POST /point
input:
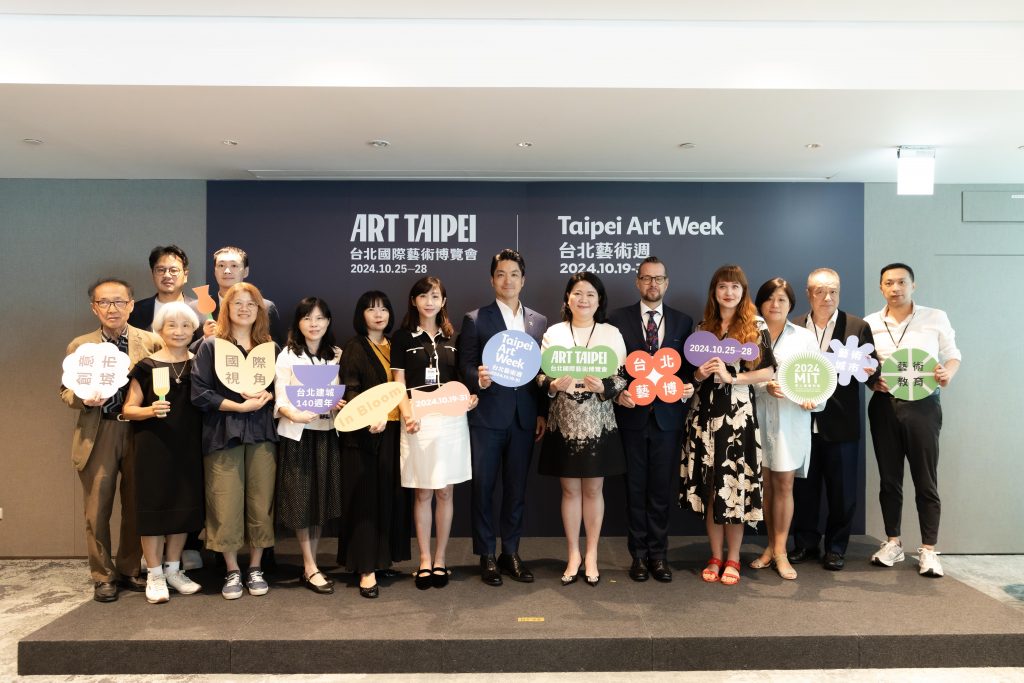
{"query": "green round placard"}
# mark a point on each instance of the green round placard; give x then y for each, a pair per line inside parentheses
(910, 374)
(807, 376)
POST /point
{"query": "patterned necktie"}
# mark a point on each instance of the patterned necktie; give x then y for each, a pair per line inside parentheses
(652, 332)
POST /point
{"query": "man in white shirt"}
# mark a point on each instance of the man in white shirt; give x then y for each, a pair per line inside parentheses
(909, 429)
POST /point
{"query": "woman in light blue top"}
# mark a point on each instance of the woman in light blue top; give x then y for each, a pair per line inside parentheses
(785, 426)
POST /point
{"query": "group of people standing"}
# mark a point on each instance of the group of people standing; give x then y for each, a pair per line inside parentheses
(204, 457)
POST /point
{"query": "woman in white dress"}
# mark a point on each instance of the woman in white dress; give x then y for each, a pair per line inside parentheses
(785, 426)
(435, 448)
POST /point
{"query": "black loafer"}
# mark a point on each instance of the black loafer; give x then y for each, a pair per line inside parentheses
(660, 570)
(834, 562)
(489, 573)
(798, 555)
(133, 583)
(513, 566)
(104, 591)
(638, 570)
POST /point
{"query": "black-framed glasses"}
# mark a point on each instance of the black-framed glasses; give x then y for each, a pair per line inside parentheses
(648, 279)
(104, 304)
(173, 271)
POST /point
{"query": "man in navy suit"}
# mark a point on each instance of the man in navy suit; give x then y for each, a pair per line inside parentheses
(505, 424)
(652, 435)
(231, 266)
(169, 266)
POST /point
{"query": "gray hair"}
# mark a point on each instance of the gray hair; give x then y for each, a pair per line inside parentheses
(818, 271)
(174, 309)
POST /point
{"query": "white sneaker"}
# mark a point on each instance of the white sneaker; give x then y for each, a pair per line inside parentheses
(191, 559)
(928, 563)
(889, 554)
(156, 588)
(180, 582)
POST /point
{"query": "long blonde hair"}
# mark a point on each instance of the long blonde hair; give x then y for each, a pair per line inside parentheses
(260, 328)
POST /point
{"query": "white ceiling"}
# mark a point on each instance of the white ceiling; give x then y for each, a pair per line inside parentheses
(603, 91)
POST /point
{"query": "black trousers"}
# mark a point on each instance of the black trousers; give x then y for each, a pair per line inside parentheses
(508, 452)
(652, 477)
(907, 429)
(833, 469)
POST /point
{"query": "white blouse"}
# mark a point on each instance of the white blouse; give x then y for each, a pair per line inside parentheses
(286, 377)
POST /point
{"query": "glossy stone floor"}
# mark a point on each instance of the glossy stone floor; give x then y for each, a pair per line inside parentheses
(34, 592)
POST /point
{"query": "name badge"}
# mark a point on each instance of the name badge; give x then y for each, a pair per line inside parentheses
(431, 376)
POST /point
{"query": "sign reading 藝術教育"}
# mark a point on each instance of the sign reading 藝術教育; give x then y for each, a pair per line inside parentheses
(318, 392)
(370, 407)
(579, 362)
(910, 374)
(807, 376)
(512, 358)
(95, 370)
(702, 346)
(244, 373)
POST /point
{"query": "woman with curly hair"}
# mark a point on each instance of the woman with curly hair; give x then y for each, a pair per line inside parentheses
(721, 468)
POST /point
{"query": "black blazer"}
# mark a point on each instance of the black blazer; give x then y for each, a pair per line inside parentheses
(840, 420)
(499, 405)
(677, 326)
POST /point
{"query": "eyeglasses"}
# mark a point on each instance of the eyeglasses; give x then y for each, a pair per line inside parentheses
(648, 279)
(173, 271)
(822, 292)
(105, 305)
(244, 305)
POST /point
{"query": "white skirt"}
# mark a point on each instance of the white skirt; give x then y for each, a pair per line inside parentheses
(438, 454)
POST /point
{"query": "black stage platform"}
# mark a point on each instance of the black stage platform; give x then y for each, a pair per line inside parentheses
(862, 617)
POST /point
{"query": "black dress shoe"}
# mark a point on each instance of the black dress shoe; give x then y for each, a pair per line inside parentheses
(592, 580)
(514, 567)
(834, 561)
(638, 570)
(388, 573)
(660, 570)
(133, 583)
(424, 579)
(439, 577)
(104, 591)
(798, 555)
(489, 573)
(371, 592)
(323, 589)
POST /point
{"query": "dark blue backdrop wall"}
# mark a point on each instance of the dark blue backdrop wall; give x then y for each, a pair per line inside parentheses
(336, 240)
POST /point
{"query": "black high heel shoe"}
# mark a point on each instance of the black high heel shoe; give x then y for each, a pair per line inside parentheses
(592, 580)
(569, 580)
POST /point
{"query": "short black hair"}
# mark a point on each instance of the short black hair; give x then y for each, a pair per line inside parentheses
(169, 250)
(115, 280)
(768, 288)
(651, 259)
(602, 298)
(296, 340)
(894, 266)
(367, 300)
(237, 250)
(508, 255)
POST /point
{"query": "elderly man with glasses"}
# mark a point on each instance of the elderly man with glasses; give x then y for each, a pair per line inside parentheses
(101, 448)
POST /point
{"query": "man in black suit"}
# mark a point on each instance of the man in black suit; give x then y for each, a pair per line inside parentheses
(652, 434)
(835, 442)
(231, 266)
(169, 266)
(505, 424)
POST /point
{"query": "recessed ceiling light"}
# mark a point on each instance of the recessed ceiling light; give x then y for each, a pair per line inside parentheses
(32, 141)
(229, 143)
(524, 144)
(379, 143)
(812, 145)
(687, 145)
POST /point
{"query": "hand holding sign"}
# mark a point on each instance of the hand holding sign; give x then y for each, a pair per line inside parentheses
(451, 398)
(206, 304)
(244, 374)
(702, 346)
(851, 360)
(578, 362)
(318, 393)
(512, 358)
(161, 382)
(95, 371)
(910, 374)
(370, 407)
(807, 377)
(654, 376)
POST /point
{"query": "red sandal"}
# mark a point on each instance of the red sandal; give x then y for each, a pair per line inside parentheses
(729, 579)
(710, 575)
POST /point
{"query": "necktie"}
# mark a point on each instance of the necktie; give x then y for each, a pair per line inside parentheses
(652, 332)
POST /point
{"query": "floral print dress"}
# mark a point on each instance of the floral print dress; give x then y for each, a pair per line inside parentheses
(722, 448)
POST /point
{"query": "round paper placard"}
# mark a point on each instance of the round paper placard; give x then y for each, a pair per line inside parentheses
(512, 357)
(807, 376)
(910, 374)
